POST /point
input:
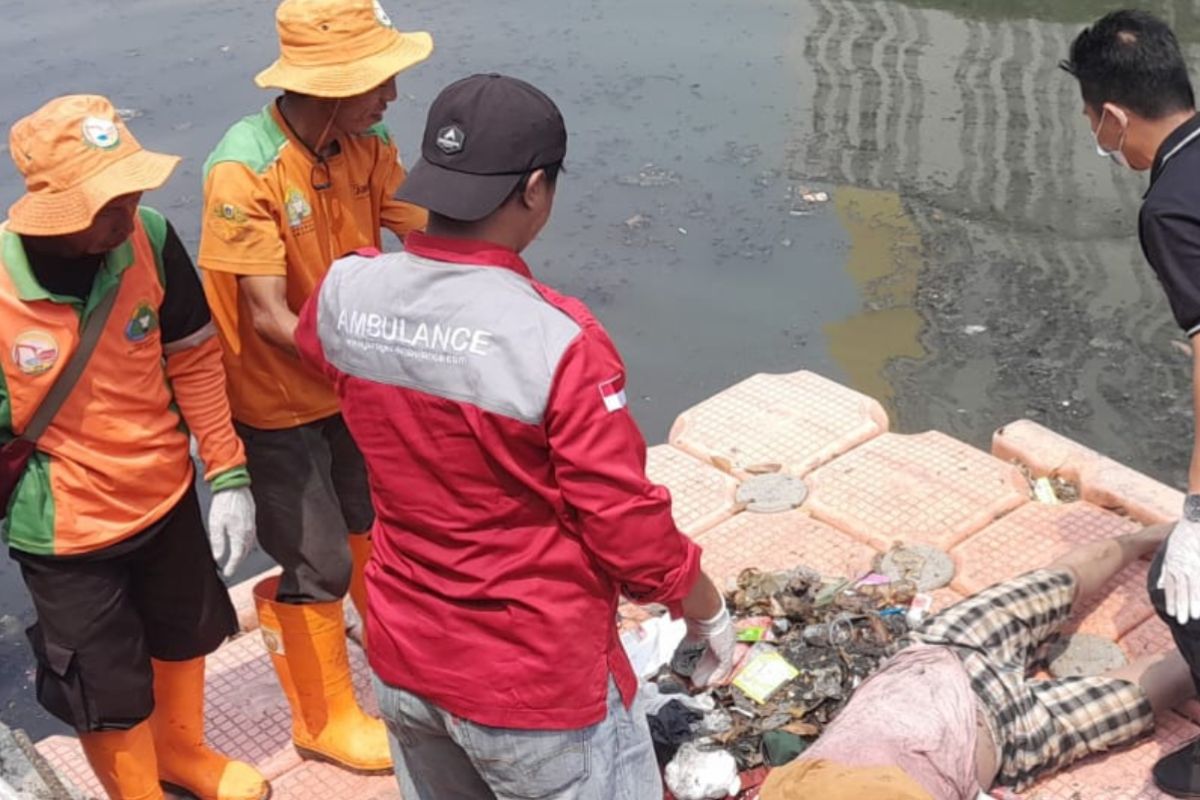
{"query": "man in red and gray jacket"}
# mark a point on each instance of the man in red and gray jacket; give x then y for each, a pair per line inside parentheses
(508, 478)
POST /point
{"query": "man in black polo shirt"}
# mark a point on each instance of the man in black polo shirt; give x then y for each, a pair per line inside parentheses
(1139, 101)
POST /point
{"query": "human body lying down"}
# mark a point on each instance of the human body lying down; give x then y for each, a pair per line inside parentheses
(956, 713)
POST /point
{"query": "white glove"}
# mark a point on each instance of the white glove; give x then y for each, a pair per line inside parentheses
(719, 640)
(1180, 578)
(231, 527)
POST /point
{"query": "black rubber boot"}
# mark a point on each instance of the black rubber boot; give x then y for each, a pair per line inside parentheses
(1178, 774)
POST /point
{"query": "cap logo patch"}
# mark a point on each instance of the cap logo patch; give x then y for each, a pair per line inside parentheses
(382, 16)
(101, 133)
(450, 139)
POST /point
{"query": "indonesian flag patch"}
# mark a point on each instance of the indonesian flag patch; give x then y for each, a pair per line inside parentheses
(613, 392)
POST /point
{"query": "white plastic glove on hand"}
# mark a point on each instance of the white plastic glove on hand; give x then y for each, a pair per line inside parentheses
(718, 636)
(231, 527)
(1180, 578)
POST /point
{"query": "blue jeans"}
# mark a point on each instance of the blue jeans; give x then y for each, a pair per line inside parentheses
(443, 757)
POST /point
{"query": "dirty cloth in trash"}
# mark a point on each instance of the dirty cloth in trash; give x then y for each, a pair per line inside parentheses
(670, 727)
(917, 713)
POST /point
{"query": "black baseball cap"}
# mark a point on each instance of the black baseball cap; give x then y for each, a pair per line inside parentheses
(483, 135)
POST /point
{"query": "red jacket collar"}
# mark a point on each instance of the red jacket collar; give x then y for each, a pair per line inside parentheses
(465, 251)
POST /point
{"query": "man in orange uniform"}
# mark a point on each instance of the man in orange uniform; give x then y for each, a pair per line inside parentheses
(288, 190)
(104, 519)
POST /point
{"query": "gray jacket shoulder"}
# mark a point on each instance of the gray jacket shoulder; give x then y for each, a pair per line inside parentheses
(477, 335)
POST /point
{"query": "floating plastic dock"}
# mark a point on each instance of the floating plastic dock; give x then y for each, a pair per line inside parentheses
(867, 489)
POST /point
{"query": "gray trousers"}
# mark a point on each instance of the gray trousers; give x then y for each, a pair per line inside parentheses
(440, 756)
(310, 488)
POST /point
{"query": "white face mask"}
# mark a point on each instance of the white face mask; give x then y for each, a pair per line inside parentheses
(1117, 156)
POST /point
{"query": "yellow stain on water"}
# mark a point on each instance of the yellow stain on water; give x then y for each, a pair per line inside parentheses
(884, 261)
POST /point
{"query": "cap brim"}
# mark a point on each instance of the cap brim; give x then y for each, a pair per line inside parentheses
(337, 81)
(457, 195)
(72, 210)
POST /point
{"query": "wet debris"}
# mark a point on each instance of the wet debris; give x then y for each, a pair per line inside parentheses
(650, 176)
(926, 566)
(771, 492)
(1043, 492)
(806, 641)
(637, 222)
(1049, 489)
(803, 199)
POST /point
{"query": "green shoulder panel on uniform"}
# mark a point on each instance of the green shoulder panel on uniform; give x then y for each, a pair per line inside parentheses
(254, 141)
(29, 523)
(381, 132)
(6, 431)
(156, 230)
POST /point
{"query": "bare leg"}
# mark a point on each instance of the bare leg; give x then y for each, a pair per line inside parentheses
(1166, 679)
(1095, 564)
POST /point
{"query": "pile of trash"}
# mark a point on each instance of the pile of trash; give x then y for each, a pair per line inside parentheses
(805, 643)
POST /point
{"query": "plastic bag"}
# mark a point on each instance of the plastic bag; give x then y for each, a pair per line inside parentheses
(700, 774)
(651, 645)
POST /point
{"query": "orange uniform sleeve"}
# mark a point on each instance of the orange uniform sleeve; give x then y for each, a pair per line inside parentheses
(400, 218)
(198, 382)
(240, 231)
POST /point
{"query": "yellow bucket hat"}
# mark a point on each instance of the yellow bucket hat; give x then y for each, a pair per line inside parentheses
(339, 48)
(76, 155)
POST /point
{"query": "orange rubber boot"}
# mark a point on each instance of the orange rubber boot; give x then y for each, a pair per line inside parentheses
(307, 644)
(124, 762)
(185, 761)
(360, 552)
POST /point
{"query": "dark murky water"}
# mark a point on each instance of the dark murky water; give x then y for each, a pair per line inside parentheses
(975, 263)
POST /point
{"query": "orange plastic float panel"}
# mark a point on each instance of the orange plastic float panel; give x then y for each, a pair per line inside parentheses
(702, 496)
(943, 599)
(319, 781)
(1102, 481)
(1148, 639)
(879, 488)
(1122, 774)
(1034, 535)
(926, 488)
(772, 542)
(799, 420)
(66, 757)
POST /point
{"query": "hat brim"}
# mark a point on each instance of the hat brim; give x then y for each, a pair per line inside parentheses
(339, 81)
(72, 210)
(457, 195)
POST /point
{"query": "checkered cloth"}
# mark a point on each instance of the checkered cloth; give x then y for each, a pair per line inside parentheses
(1039, 726)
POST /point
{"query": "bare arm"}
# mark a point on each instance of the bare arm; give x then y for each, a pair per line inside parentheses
(703, 601)
(273, 319)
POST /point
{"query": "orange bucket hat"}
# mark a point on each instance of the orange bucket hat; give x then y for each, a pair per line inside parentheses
(339, 48)
(77, 155)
